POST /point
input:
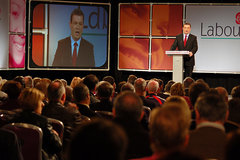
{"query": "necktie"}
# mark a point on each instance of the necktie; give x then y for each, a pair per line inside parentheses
(185, 40)
(74, 58)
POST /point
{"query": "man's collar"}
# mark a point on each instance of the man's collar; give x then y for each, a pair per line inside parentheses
(78, 42)
(211, 124)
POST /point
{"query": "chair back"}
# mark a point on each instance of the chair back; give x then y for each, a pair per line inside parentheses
(30, 139)
(147, 112)
(9, 145)
(58, 126)
(231, 126)
(6, 116)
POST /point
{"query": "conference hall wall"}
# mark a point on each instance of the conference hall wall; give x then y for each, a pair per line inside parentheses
(147, 30)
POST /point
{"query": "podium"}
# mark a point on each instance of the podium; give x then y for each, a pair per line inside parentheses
(177, 74)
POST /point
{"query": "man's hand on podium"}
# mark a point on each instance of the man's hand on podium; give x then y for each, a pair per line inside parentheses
(190, 54)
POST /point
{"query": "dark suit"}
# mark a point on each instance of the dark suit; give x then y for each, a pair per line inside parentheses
(191, 46)
(103, 105)
(63, 55)
(84, 110)
(70, 117)
(138, 138)
(207, 142)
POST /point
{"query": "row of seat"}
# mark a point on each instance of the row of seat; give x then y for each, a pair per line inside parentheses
(29, 137)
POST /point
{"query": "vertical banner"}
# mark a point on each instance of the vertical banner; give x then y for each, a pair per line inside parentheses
(3, 34)
(17, 20)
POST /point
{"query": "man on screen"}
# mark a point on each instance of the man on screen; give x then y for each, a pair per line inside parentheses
(186, 42)
(74, 51)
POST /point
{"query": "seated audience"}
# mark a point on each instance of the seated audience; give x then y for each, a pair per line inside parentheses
(186, 84)
(160, 89)
(177, 90)
(235, 92)
(232, 149)
(81, 97)
(127, 87)
(152, 88)
(36, 80)
(128, 112)
(111, 80)
(70, 117)
(75, 81)
(167, 87)
(169, 129)
(43, 86)
(223, 93)
(234, 110)
(69, 102)
(91, 82)
(28, 82)
(21, 80)
(98, 139)
(131, 79)
(140, 89)
(104, 93)
(209, 138)
(13, 90)
(31, 103)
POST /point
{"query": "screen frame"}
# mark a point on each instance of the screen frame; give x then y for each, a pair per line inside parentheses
(105, 67)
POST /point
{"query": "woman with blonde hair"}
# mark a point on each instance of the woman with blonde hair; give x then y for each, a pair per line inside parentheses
(31, 102)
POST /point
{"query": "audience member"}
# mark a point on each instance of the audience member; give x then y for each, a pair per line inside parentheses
(28, 81)
(127, 87)
(131, 79)
(13, 90)
(64, 81)
(128, 112)
(70, 117)
(196, 89)
(31, 103)
(167, 87)
(75, 81)
(234, 110)
(91, 82)
(3, 95)
(186, 84)
(120, 84)
(223, 93)
(177, 90)
(232, 146)
(152, 88)
(111, 80)
(200, 81)
(36, 80)
(169, 130)
(21, 80)
(98, 139)
(43, 86)
(69, 102)
(81, 96)
(161, 87)
(235, 93)
(140, 89)
(104, 93)
(209, 138)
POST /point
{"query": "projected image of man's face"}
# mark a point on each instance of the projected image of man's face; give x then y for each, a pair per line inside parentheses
(76, 26)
